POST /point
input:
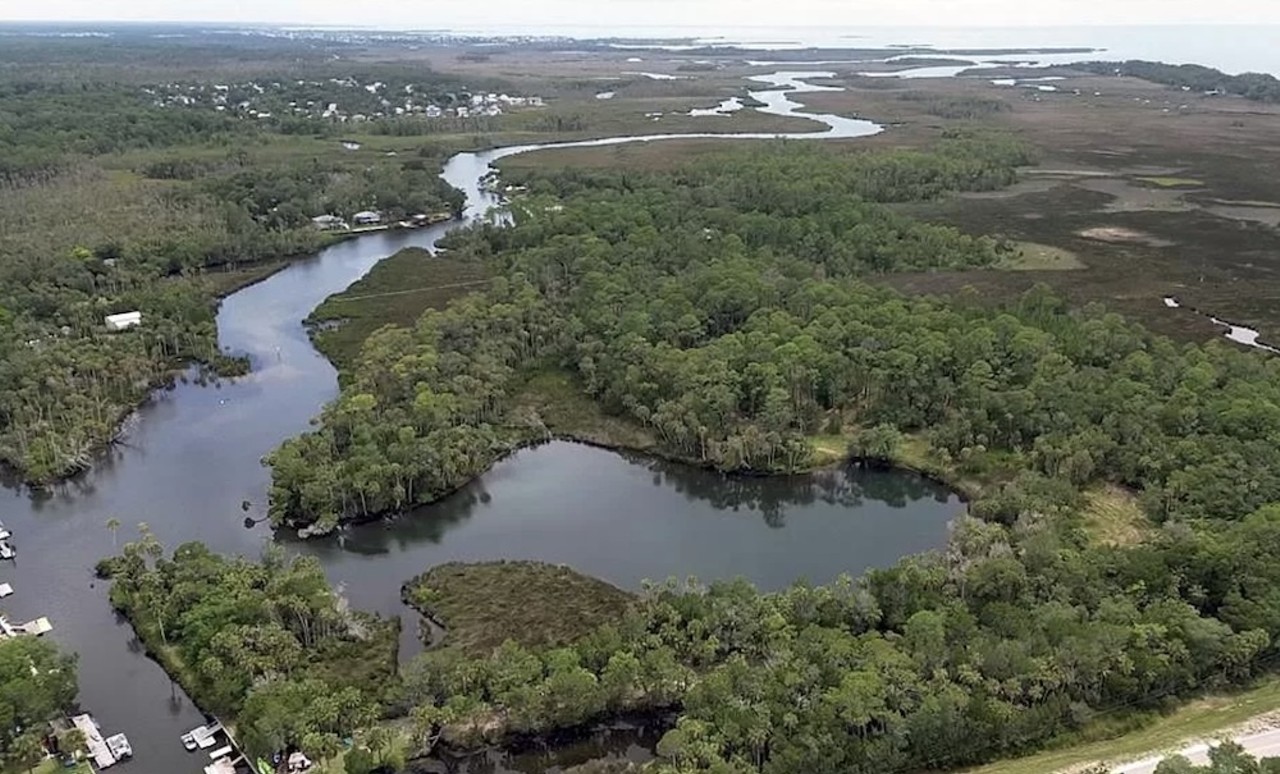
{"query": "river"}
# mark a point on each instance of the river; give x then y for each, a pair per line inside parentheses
(193, 455)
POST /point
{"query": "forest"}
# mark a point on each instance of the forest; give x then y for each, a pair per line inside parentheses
(267, 645)
(146, 208)
(724, 308)
(37, 685)
(738, 331)
(615, 276)
(1260, 87)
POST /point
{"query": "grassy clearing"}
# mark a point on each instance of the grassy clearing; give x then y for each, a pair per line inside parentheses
(1030, 256)
(536, 604)
(913, 453)
(1209, 717)
(555, 400)
(395, 292)
(1171, 182)
(829, 449)
(1113, 517)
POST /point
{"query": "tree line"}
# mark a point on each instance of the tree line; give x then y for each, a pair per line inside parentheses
(1260, 87)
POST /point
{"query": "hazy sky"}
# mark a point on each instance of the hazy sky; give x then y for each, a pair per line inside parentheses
(436, 14)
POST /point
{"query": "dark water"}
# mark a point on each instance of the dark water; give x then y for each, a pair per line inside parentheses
(627, 519)
(193, 456)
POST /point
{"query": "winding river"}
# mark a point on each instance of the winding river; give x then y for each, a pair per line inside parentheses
(193, 456)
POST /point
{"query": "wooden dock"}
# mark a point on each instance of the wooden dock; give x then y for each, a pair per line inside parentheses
(98, 750)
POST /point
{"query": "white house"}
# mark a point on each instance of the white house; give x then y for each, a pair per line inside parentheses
(119, 322)
(329, 222)
(367, 218)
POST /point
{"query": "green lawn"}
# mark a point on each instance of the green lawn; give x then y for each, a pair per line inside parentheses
(1208, 717)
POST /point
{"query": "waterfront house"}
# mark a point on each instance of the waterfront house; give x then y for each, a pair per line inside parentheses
(120, 322)
(329, 222)
(367, 218)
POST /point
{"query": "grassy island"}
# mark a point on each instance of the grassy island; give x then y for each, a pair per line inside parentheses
(534, 604)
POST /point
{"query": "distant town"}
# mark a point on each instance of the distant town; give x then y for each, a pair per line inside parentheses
(340, 100)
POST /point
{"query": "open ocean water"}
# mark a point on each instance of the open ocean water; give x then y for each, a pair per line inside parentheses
(1231, 48)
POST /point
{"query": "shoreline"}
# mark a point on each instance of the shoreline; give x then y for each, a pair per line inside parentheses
(966, 491)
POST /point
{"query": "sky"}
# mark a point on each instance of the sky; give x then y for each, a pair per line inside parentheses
(548, 14)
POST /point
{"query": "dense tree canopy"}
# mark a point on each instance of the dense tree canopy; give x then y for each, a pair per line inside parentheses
(37, 684)
(268, 644)
(651, 288)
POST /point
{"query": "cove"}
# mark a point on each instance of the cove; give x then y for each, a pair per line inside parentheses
(628, 518)
(192, 456)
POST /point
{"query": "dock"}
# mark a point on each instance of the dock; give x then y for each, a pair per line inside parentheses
(228, 758)
(98, 750)
(103, 752)
(34, 628)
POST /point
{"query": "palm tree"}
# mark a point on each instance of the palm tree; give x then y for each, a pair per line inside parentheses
(113, 524)
(73, 743)
(379, 740)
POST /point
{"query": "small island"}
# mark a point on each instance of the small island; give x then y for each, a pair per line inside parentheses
(478, 607)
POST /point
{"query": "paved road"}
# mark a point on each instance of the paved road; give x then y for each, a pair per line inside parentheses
(1265, 744)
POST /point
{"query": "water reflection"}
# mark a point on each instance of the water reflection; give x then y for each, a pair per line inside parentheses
(774, 497)
(620, 741)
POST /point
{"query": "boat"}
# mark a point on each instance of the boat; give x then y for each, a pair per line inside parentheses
(119, 746)
(200, 736)
(6, 550)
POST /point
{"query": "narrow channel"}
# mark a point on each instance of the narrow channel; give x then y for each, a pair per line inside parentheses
(193, 456)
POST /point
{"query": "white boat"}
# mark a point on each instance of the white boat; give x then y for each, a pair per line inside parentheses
(6, 550)
(221, 752)
(5, 590)
(200, 736)
(119, 746)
